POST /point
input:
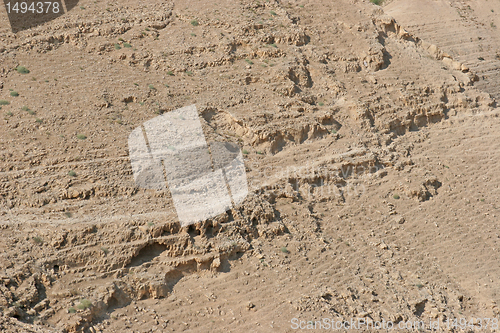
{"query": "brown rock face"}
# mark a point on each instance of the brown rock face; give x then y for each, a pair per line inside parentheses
(370, 143)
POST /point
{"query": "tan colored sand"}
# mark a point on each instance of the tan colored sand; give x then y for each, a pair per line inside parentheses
(372, 160)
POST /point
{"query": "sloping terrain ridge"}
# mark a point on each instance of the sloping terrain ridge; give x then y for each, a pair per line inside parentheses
(371, 150)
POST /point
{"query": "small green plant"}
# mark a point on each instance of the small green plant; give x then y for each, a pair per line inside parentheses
(81, 136)
(27, 109)
(321, 103)
(419, 285)
(170, 73)
(68, 214)
(250, 62)
(274, 45)
(38, 240)
(493, 25)
(71, 310)
(194, 23)
(189, 73)
(84, 304)
(260, 153)
(117, 47)
(4, 102)
(33, 78)
(151, 87)
(284, 250)
(333, 131)
(120, 39)
(22, 70)
(82, 8)
(245, 151)
(9, 114)
(377, 2)
(38, 120)
(151, 224)
(72, 173)
(396, 196)
(273, 13)
(127, 45)
(14, 93)
(104, 249)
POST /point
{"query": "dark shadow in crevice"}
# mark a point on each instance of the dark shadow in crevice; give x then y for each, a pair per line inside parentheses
(146, 254)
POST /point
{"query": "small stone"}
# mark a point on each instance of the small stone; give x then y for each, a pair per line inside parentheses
(215, 264)
(383, 246)
(399, 220)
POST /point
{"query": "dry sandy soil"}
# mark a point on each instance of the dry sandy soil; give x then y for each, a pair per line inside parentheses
(372, 141)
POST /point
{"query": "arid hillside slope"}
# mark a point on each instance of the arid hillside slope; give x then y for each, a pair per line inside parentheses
(469, 31)
(371, 153)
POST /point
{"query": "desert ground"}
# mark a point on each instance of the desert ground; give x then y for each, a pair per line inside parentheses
(371, 141)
